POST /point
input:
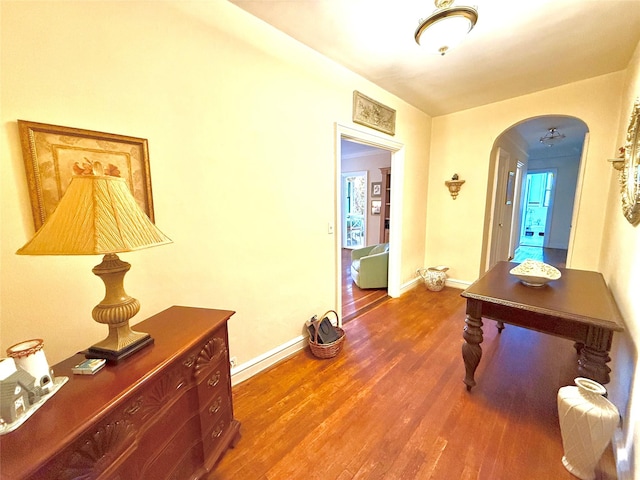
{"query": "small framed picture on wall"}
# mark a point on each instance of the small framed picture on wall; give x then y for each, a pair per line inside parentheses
(376, 189)
(375, 207)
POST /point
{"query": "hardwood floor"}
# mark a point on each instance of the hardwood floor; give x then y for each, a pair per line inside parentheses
(355, 300)
(553, 256)
(392, 404)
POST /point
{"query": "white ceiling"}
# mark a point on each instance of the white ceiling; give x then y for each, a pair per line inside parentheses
(517, 47)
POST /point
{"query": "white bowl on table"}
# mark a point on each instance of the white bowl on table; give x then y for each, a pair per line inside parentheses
(533, 273)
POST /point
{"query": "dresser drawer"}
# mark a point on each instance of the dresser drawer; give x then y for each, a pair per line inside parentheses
(213, 354)
(98, 452)
(166, 423)
(216, 379)
(168, 458)
(190, 462)
(212, 439)
(212, 411)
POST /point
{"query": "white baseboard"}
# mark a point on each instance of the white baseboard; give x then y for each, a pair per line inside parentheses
(409, 285)
(461, 284)
(451, 282)
(247, 370)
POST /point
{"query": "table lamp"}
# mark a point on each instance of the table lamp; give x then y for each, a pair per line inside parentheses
(98, 215)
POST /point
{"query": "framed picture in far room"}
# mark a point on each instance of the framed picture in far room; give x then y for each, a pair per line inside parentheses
(375, 207)
(376, 189)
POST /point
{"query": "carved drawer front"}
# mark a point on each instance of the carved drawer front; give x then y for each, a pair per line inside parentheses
(189, 463)
(150, 408)
(202, 357)
(213, 354)
(103, 449)
(211, 411)
(145, 420)
(171, 456)
(212, 438)
(168, 424)
(217, 379)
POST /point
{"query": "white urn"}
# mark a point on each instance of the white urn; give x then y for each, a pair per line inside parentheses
(587, 423)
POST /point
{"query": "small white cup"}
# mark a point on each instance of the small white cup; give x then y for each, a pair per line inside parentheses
(29, 356)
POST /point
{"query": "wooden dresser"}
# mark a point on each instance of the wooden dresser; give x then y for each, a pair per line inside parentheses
(164, 413)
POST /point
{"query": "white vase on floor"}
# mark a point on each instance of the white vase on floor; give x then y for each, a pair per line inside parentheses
(587, 423)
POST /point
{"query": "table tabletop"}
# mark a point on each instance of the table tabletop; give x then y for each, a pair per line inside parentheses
(578, 295)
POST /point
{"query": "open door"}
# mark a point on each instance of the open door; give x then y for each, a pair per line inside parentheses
(502, 245)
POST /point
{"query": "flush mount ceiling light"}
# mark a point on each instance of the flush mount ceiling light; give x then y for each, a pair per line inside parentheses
(446, 27)
(552, 137)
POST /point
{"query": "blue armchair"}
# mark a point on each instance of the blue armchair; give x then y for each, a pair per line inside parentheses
(370, 266)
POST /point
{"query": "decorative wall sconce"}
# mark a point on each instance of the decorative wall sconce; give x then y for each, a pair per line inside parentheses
(618, 163)
(454, 185)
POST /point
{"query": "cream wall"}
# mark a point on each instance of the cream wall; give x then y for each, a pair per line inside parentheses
(620, 265)
(241, 134)
(462, 143)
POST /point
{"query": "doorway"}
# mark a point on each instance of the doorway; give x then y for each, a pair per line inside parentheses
(537, 208)
(396, 152)
(543, 210)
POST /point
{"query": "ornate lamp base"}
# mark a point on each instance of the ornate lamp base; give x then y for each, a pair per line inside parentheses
(115, 310)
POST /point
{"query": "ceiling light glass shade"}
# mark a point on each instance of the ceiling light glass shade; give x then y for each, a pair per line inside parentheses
(552, 137)
(445, 28)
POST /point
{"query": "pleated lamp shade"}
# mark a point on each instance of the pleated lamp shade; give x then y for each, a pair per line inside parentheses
(96, 215)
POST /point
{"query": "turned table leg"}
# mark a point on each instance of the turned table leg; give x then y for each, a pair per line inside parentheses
(594, 355)
(471, 350)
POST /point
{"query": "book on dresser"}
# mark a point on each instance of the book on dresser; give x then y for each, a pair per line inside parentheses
(164, 413)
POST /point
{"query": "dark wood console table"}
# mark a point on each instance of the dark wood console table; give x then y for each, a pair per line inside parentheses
(163, 413)
(578, 306)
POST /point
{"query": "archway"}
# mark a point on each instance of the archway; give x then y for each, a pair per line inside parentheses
(517, 151)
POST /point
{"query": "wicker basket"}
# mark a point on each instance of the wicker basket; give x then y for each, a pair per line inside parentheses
(327, 350)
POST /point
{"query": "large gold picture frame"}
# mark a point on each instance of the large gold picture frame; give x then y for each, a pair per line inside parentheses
(50, 153)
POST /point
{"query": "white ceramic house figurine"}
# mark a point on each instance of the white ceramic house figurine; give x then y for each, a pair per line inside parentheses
(17, 391)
